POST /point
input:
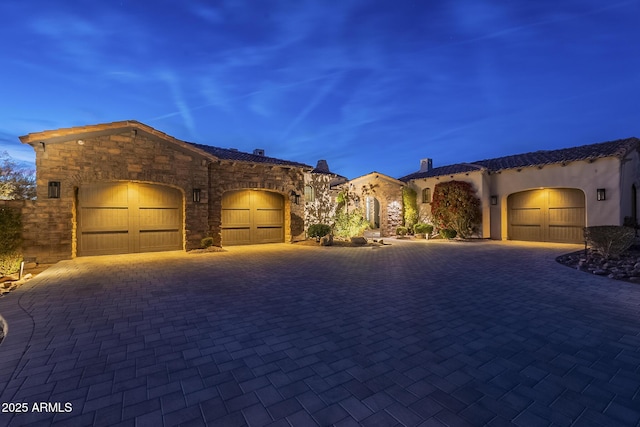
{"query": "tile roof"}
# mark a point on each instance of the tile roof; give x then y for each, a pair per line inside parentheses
(617, 148)
(228, 154)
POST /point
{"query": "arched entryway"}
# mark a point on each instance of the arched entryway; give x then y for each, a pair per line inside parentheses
(547, 215)
(128, 217)
(372, 211)
(252, 217)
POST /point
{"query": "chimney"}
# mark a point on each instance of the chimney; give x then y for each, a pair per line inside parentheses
(258, 152)
(322, 166)
(426, 165)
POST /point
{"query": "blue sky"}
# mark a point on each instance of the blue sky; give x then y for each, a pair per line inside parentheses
(367, 85)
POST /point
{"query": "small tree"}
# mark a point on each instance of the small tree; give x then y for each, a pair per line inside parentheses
(15, 182)
(456, 207)
(410, 207)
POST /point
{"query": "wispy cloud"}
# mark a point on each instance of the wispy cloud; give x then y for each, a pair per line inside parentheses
(176, 91)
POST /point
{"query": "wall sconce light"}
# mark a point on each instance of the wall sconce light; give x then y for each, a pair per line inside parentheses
(196, 195)
(295, 197)
(54, 189)
(80, 142)
(601, 194)
(494, 200)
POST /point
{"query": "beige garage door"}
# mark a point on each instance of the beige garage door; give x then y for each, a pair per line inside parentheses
(126, 217)
(547, 215)
(252, 216)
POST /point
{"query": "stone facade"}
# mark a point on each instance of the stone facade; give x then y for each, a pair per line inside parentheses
(133, 152)
(377, 192)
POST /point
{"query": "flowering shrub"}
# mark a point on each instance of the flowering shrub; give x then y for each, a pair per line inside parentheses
(455, 206)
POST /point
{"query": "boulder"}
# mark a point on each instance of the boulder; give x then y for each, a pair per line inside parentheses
(360, 241)
(327, 240)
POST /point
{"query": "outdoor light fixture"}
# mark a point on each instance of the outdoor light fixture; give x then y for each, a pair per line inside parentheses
(80, 142)
(196, 195)
(295, 197)
(494, 200)
(54, 189)
(601, 194)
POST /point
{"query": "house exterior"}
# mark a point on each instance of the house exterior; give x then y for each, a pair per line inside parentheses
(125, 187)
(545, 196)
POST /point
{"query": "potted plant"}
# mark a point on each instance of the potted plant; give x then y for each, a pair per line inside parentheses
(422, 230)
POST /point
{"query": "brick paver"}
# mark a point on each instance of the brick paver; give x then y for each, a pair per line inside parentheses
(415, 333)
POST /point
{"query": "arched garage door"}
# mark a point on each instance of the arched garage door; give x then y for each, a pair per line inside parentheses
(547, 215)
(128, 217)
(251, 217)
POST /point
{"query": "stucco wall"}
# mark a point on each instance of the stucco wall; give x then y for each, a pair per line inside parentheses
(480, 181)
(583, 175)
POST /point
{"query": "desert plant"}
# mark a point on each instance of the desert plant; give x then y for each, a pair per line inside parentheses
(448, 233)
(318, 230)
(349, 224)
(609, 240)
(422, 228)
(10, 230)
(10, 263)
(206, 242)
(402, 231)
(410, 207)
(455, 206)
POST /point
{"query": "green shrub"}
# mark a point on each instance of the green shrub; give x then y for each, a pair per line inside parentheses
(350, 224)
(10, 263)
(609, 240)
(206, 242)
(402, 231)
(318, 230)
(448, 233)
(422, 228)
(10, 230)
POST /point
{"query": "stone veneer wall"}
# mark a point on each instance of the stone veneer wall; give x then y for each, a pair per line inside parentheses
(229, 175)
(388, 194)
(127, 156)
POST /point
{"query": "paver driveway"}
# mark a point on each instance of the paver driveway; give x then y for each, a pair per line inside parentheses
(416, 333)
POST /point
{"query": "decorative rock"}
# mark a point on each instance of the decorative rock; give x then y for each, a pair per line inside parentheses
(360, 241)
(327, 240)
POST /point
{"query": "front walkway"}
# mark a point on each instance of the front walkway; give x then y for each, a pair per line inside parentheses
(415, 333)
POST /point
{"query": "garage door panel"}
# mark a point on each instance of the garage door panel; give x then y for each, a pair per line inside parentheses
(113, 195)
(151, 218)
(125, 217)
(529, 233)
(269, 234)
(565, 216)
(153, 196)
(236, 217)
(105, 243)
(566, 234)
(236, 236)
(269, 217)
(525, 216)
(153, 241)
(101, 219)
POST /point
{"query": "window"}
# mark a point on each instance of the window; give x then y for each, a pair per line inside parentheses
(309, 194)
(426, 195)
(54, 189)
